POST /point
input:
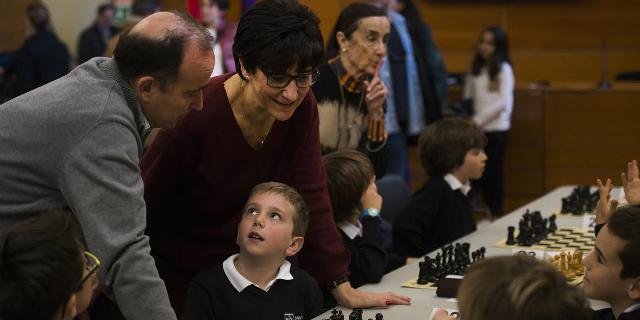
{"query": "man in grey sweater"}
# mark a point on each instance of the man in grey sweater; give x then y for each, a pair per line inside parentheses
(76, 142)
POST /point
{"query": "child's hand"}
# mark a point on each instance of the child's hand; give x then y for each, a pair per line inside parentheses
(442, 314)
(631, 183)
(603, 208)
(371, 198)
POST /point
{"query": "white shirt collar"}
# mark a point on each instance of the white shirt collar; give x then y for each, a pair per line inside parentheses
(350, 229)
(632, 308)
(240, 282)
(455, 184)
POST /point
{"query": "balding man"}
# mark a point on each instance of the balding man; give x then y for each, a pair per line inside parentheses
(76, 142)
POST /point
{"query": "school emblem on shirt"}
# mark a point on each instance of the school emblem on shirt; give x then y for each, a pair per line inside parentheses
(291, 316)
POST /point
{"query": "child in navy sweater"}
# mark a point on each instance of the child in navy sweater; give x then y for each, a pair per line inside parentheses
(356, 207)
(452, 153)
(258, 282)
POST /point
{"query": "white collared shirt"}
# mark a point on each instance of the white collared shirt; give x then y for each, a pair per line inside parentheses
(632, 308)
(350, 229)
(240, 282)
(455, 184)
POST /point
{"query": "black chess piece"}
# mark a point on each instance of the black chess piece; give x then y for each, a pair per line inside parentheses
(379, 316)
(356, 314)
(336, 315)
(482, 251)
(552, 224)
(425, 272)
(523, 229)
(510, 239)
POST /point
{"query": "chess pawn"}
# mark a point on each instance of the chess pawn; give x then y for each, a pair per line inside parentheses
(552, 224)
(510, 239)
(482, 251)
(379, 316)
(577, 260)
(563, 262)
(565, 205)
(577, 256)
(569, 261)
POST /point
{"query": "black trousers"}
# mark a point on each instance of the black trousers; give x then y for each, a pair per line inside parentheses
(492, 182)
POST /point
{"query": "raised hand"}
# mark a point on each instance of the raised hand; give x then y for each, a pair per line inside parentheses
(371, 198)
(376, 94)
(603, 207)
(631, 183)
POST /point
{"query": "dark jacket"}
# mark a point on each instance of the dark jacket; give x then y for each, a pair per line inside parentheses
(42, 59)
(92, 44)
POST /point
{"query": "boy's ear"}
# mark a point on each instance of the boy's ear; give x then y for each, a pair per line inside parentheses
(70, 310)
(295, 246)
(634, 289)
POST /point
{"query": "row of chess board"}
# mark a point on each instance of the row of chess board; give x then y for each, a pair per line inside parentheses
(535, 233)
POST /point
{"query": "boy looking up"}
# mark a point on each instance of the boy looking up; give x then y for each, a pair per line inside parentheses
(258, 282)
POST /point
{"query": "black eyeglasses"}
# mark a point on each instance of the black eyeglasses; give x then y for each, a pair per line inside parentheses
(303, 80)
(91, 266)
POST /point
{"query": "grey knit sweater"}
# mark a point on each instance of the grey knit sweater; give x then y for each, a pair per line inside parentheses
(76, 142)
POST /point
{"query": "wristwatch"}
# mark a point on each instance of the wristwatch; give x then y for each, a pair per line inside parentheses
(370, 212)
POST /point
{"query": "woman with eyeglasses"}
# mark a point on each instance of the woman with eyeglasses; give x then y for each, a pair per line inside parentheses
(349, 92)
(257, 125)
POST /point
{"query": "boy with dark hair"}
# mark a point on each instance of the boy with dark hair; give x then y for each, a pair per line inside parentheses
(258, 282)
(44, 274)
(613, 267)
(356, 209)
(452, 153)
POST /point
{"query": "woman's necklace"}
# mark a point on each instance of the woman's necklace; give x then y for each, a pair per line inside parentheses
(260, 142)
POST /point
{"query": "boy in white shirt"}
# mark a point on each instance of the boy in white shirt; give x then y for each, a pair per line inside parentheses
(258, 282)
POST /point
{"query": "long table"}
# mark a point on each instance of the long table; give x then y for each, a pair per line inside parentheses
(424, 300)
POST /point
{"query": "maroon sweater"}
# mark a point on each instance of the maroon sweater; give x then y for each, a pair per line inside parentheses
(198, 177)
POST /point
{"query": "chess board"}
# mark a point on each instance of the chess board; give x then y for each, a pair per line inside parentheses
(562, 239)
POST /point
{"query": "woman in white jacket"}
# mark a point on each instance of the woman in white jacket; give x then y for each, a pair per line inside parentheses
(490, 85)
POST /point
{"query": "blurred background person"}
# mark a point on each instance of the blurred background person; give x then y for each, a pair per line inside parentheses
(139, 10)
(213, 17)
(93, 40)
(41, 59)
(349, 91)
(489, 85)
(415, 75)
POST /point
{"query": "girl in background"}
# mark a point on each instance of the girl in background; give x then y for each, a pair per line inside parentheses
(490, 85)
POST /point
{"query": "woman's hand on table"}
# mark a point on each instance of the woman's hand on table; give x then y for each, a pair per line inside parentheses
(349, 297)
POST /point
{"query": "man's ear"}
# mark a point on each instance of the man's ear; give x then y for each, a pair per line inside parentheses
(634, 289)
(295, 246)
(143, 87)
(70, 310)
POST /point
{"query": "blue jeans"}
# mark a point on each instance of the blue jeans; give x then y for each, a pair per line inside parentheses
(398, 156)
